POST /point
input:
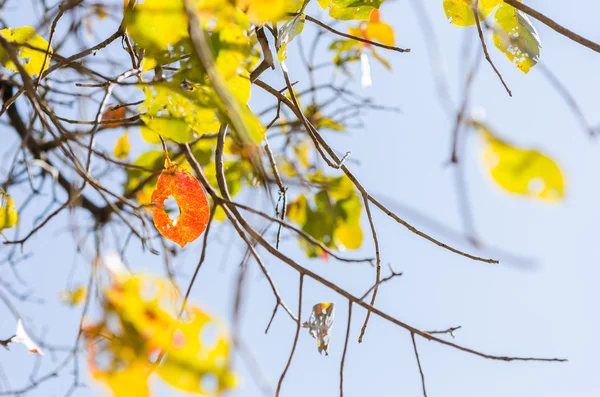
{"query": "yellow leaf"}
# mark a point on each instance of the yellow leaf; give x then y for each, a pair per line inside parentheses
(197, 359)
(522, 171)
(296, 210)
(516, 37)
(380, 32)
(8, 212)
(176, 114)
(261, 11)
(131, 381)
(122, 147)
(460, 12)
(157, 24)
(31, 49)
(73, 297)
(349, 236)
(219, 214)
(149, 135)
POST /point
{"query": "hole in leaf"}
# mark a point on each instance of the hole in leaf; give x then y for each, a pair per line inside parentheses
(172, 209)
(209, 336)
(536, 186)
(148, 291)
(209, 383)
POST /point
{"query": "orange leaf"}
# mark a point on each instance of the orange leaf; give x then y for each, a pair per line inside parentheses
(375, 16)
(114, 114)
(190, 197)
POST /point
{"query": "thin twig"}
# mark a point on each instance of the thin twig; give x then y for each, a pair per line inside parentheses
(553, 25)
(345, 349)
(412, 336)
(349, 36)
(475, 8)
(298, 327)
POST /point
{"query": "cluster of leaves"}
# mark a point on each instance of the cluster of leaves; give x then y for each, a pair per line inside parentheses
(331, 216)
(514, 34)
(141, 332)
(187, 98)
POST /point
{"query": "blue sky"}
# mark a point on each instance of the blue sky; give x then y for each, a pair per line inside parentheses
(547, 310)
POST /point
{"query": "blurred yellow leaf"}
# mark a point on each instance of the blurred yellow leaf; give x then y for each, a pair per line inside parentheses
(30, 47)
(73, 297)
(141, 319)
(460, 12)
(127, 382)
(516, 37)
(350, 9)
(522, 171)
(8, 212)
(296, 210)
(157, 24)
(350, 237)
(261, 11)
(380, 32)
(197, 360)
(122, 147)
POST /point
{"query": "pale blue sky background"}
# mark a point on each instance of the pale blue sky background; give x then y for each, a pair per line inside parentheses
(547, 311)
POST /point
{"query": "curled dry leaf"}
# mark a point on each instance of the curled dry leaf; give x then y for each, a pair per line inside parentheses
(175, 181)
(117, 114)
(22, 337)
(320, 323)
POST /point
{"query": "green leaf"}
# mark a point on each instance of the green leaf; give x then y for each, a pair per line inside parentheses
(288, 31)
(178, 114)
(516, 37)
(350, 9)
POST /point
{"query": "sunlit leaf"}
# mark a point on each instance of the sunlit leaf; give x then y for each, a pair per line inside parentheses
(320, 323)
(177, 115)
(287, 32)
(460, 12)
(522, 171)
(379, 32)
(30, 47)
(157, 24)
(350, 9)
(178, 183)
(9, 216)
(122, 147)
(516, 37)
(261, 11)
